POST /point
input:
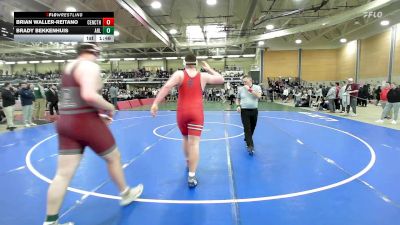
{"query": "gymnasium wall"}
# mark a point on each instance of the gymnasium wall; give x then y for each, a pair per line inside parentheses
(280, 63)
(19, 68)
(396, 60)
(174, 64)
(219, 64)
(338, 64)
(319, 65)
(152, 64)
(374, 56)
(47, 67)
(346, 61)
(104, 66)
(244, 63)
(5, 68)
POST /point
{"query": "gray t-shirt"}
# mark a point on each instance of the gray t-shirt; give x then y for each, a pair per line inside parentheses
(247, 99)
(113, 92)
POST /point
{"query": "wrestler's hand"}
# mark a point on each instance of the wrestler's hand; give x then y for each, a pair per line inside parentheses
(205, 66)
(106, 118)
(110, 113)
(154, 110)
(246, 87)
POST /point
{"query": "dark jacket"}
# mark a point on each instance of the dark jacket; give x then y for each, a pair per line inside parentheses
(27, 96)
(393, 95)
(52, 96)
(8, 98)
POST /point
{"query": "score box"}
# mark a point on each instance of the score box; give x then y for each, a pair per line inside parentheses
(108, 30)
(108, 21)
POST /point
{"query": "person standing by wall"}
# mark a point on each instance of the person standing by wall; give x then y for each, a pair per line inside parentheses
(384, 100)
(27, 99)
(393, 97)
(247, 106)
(114, 94)
(40, 101)
(8, 97)
(352, 89)
(331, 96)
(52, 98)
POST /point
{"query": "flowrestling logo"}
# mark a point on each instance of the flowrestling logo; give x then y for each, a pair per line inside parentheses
(373, 14)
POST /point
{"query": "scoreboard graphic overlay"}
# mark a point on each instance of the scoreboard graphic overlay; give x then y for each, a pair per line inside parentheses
(64, 26)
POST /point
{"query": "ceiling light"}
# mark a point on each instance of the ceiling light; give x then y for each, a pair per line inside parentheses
(59, 60)
(233, 56)
(33, 62)
(211, 2)
(298, 41)
(116, 33)
(129, 59)
(115, 59)
(46, 61)
(22, 62)
(343, 40)
(70, 9)
(261, 43)
(324, 24)
(100, 59)
(385, 22)
(202, 57)
(270, 27)
(173, 57)
(156, 5)
(249, 56)
(10, 63)
(173, 31)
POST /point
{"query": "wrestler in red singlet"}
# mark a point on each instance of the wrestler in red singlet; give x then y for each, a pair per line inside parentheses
(190, 114)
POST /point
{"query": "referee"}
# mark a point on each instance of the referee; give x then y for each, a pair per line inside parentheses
(247, 104)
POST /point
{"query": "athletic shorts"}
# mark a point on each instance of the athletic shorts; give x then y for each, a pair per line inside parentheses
(190, 121)
(75, 132)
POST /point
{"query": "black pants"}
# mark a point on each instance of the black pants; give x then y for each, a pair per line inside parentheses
(53, 105)
(232, 98)
(249, 121)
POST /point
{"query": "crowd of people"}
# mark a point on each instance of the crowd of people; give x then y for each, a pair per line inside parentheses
(338, 97)
(34, 100)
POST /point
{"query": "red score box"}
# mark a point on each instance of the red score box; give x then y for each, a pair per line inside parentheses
(108, 21)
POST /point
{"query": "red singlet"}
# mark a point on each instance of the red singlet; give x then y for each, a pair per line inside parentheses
(190, 114)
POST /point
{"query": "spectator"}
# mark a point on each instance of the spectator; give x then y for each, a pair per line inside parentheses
(114, 94)
(331, 96)
(52, 98)
(27, 99)
(8, 97)
(40, 101)
(352, 90)
(393, 97)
